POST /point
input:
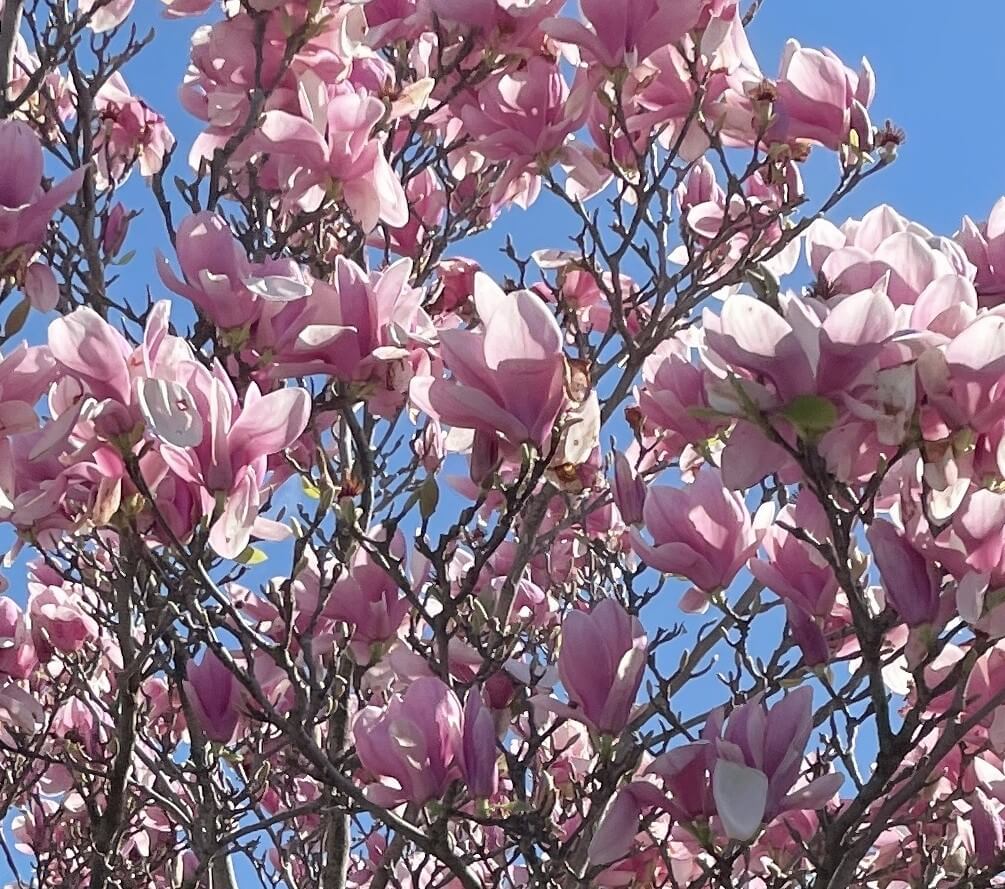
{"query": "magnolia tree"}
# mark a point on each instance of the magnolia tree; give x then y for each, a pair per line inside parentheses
(339, 561)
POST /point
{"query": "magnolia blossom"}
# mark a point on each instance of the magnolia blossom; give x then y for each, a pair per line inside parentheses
(601, 665)
(25, 207)
(702, 532)
(330, 142)
(625, 32)
(130, 132)
(415, 745)
(215, 697)
(508, 380)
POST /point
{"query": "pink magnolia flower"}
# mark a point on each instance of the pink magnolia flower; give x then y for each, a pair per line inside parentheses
(508, 380)
(601, 664)
(754, 220)
(41, 287)
(808, 348)
(862, 253)
(758, 756)
(911, 582)
(331, 142)
(622, 33)
(799, 574)
(413, 745)
(59, 622)
(25, 208)
(115, 226)
(219, 279)
(524, 119)
(369, 600)
(478, 754)
(17, 652)
(457, 284)
(362, 328)
(525, 115)
(984, 244)
(228, 454)
(130, 131)
(743, 771)
(672, 397)
(700, 531)
(818, 98)
(628, 489)
(215, 696)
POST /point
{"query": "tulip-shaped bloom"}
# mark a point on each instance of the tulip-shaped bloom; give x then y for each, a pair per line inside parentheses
(800, 575)
(331, 142)
(59, 622)
(601, 665)
(219, 280)
(628, 489)
(673, 388)
(984, 244)
(525, 119)
(818, 97)
(215, 696)
(361, 328)
(625, 32)
(524, 115)
(25, 208)
(413, 745)
(911, 582)
(227, 454)
(701, 531)
(368, 599)
(479, 758)
(508, 381)
(800, 352)
(758, 759)
(17, 653)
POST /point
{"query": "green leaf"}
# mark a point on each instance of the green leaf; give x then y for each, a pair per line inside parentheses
(810, 414)
(252, 555)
